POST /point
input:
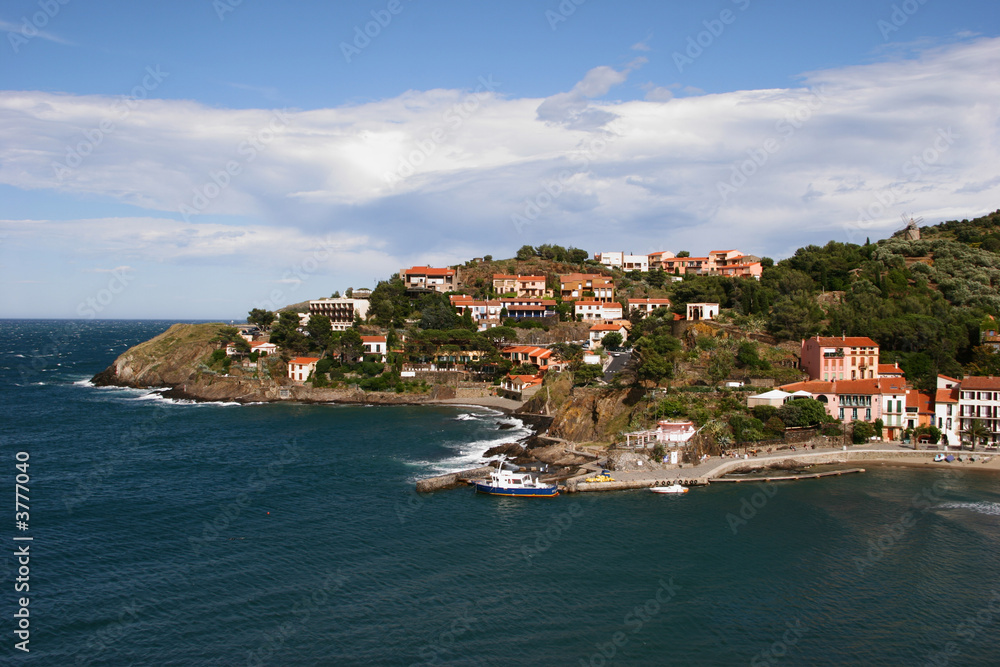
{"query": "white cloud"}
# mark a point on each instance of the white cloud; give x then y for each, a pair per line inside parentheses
(435, 176)
(32, 32)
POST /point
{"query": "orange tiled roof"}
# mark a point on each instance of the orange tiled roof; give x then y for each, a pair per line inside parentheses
(946, 395)
(304, 361)
(373, 339)
(607, 327)
(429, 271)
(845, 341)
(981, 382)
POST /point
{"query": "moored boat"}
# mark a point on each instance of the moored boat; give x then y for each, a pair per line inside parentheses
(504, 482)
(673, 488)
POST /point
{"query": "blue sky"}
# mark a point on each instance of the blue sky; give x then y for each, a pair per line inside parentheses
(195, 159)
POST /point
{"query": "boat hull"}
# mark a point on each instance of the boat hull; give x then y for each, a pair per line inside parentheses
(488, 489)
(668, 489)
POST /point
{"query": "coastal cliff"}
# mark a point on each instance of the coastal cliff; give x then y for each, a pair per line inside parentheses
(176, 359)
(167, 360)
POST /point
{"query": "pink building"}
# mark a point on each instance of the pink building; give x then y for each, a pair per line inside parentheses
(845, 358)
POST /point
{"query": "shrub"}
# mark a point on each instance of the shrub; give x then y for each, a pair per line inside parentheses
(765, 412)
(862, 432)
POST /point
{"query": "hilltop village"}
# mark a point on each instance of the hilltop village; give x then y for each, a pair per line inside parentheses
(893, 340)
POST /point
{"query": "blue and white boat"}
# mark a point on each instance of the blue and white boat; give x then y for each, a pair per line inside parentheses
(504, 482)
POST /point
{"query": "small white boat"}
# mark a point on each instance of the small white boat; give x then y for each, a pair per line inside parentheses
(673, 488)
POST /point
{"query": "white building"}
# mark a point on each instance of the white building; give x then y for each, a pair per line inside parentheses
(979, 398)
(647, 306)
(597, 310)
(300, 368)
(619, 260)
(702, 311)
(340, 311)
(671, 433)
(375, 345)
(599, 331)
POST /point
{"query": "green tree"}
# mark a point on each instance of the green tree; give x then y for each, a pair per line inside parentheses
(320, 331)
(795, 318)
(719, 367)
(436, 312)
(684, 253)
(612, 341)
(526, 252)
(587, 373)
(351, 346)
(802, 412)
(861, 432)
(975, 432)
(262, 318)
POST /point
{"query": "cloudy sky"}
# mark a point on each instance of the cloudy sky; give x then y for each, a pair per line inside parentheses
(198, 158)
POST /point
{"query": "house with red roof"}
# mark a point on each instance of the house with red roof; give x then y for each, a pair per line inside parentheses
(375, 345)
(529, 286)
(840, 358)
(429, 279)
(589, 310)
(300, 368)
(526, 354)
(521, 386)
(979, 399)
(647, 306)
(599, 331)
(574, 286)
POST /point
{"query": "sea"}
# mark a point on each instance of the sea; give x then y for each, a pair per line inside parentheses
(166, 532)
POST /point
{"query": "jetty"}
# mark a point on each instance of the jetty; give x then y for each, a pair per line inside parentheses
(788, 478)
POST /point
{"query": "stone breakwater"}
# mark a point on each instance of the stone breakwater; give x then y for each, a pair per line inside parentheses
(705, 473)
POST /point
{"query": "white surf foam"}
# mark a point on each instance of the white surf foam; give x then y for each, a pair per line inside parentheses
(982, 507)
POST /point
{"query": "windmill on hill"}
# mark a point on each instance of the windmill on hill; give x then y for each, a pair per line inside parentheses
(910, 231)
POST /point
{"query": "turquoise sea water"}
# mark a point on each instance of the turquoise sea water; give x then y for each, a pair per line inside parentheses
(205, 534)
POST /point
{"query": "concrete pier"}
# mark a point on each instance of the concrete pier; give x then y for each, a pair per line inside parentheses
(787, 478)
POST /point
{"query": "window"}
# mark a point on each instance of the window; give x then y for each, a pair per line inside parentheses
(949, 410)
(842, 414)
(948, 422)
(854, 413)
(868, 415)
